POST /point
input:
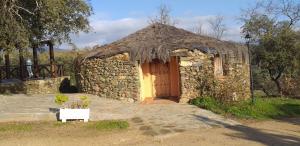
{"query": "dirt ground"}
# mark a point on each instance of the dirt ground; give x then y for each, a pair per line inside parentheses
(256, 133)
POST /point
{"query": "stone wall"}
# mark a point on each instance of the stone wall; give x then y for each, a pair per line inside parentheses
(194, 68)
(114, 77)
(236, 85)
(42, 86)
(198, 79)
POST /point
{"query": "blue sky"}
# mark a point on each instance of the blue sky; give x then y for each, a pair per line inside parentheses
(116, 9)
(114, 19)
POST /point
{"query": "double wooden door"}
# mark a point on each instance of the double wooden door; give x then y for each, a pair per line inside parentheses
(157, 80)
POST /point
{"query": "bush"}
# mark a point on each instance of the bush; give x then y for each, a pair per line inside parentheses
(61, 99)
(82, 103)
(208, 103)
(263, 108)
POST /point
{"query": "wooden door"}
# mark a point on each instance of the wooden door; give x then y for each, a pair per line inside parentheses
(160, 79)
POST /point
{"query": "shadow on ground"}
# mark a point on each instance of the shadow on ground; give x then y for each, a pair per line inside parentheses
(152, 130)
(56, 111)
(252, 134)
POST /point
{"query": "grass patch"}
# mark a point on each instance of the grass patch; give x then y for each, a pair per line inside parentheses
(108, 125)
(15, 127)
(264, 108)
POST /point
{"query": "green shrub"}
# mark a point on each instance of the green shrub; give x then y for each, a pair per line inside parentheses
(263, 108)
(60, 99)
(85, 101)
(82, 104)
(208, 103)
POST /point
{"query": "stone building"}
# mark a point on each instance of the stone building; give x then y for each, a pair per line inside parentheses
(162, 61)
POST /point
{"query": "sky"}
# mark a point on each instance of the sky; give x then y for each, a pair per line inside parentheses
(114, 19)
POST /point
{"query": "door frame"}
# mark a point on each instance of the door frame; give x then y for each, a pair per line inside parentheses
(174, 87)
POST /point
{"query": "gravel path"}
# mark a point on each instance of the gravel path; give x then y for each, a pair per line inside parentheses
(152, 119)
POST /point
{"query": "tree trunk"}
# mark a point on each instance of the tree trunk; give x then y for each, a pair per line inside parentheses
(279, 88)
(275, 78)
(7, 65)
(265, 91)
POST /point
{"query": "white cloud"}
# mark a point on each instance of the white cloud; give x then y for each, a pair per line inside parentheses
(106, 31)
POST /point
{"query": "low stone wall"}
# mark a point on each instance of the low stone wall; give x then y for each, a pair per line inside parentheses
(114, 77)
(44, 86)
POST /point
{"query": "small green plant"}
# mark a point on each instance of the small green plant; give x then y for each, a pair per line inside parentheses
(61, 99)
(82, 103)
(85, 101)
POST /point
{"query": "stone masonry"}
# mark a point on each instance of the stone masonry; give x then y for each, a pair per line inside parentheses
(114, 77)
(41, 86)
(118, 78)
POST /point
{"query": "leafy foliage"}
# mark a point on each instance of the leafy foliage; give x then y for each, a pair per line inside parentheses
(275, 46)
(25, 23)
(208, 103)
(82, 103)
(60, 99)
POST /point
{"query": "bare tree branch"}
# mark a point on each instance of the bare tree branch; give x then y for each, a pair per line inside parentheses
(198, 29)
(218, 26)
(163, 16)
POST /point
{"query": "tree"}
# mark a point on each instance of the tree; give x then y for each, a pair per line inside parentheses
(29, 22)
(163, 16)
(198, 29)
(275, 49)
(13, 31)
(218, 26)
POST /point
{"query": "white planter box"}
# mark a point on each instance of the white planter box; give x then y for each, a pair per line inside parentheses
(74, 114)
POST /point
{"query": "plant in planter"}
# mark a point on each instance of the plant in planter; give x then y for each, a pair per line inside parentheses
(75, 110)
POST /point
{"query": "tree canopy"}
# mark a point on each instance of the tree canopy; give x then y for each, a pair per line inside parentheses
(275, 48)
(25, 23)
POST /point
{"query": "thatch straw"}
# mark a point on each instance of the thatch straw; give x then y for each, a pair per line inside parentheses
(158, 41)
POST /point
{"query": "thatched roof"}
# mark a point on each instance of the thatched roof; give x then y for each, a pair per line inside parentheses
(158, 41)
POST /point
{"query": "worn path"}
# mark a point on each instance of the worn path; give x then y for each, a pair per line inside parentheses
(152, 119)
(154, 124)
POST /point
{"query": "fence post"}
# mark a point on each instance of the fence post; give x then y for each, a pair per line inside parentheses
(21, 63)
(52, 61)
(35, 62)
(7, 65)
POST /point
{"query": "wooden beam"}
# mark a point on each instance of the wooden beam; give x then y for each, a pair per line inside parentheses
(7, 65)
(35, 62)
(52, 61)
(21, 63)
